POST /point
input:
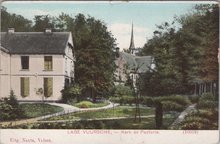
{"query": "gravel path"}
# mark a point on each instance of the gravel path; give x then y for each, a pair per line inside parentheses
(67, 109)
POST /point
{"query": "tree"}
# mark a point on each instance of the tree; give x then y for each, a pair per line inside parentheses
(94, 54)
(42, 22)
(14, 21)
(185, 55)
(94, 46)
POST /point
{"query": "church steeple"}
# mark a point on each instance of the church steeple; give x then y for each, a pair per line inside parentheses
(132, 47)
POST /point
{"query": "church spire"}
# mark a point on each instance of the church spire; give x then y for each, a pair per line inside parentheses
(132, 47)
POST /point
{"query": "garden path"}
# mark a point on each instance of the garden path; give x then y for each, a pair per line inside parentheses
(67, 109)
(183, 115)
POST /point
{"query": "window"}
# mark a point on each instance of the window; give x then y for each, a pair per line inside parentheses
(25, 62)
(25, 86)
(48, 87)
(48, 63)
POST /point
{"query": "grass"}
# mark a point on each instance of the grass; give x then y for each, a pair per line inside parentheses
(128, 123)
(88, 104)
(120, 111)
(39, 109)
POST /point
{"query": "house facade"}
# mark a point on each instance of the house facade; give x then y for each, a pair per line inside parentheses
(36, 65)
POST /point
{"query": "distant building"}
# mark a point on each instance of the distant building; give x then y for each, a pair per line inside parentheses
(130, 65)
(36, 65)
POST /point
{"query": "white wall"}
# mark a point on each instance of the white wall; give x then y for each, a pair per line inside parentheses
(36, 82)
(36, 73)
(4, 74)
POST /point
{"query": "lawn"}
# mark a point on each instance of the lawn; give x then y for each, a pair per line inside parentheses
(120, 111)
(39, 109)
(128, 123)
(88, 104)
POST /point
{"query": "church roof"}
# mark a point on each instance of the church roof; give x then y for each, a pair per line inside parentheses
(131, 47)
(35, 42)
(140, 63)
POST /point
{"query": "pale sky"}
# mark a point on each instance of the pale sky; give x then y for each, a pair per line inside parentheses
(118, 16)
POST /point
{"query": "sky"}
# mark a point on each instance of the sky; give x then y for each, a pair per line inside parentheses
(118, 16)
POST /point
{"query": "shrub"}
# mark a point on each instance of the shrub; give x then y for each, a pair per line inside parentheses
(121, 90)
(70, 93)
(207, 96)
(172, 106)
(10, 109)
(206, 104)
(181, 100)
(115, 99)
(84, 104)
(202, 119)
(149, 101)
(127, 100)
(207, 100)
(193, 98)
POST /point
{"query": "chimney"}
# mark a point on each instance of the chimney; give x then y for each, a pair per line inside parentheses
(11, 30)
(48, 30)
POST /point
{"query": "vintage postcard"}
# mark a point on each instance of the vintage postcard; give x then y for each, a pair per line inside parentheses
(109, 72)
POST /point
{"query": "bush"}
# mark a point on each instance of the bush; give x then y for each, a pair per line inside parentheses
(70, 93)
(207, 101)
(207, 96)
(149, 101)
(121, 90)
(172, 106)
(115, 99)
(193, 99)
(181, 100)
(201, 119)
(206, 104)
(10, 109)
(84, 104)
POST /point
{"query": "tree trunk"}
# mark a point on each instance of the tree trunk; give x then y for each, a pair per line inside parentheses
(159, 115)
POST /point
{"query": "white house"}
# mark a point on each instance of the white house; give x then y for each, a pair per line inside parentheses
(36, 65)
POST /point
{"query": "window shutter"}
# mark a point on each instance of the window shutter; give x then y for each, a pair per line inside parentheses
(48, 87)
(25, 89)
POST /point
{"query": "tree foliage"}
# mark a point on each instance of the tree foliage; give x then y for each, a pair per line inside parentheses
(10, 109)
(18, 22)
(183, 55)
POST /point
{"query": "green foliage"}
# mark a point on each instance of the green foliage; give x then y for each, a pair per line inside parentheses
(88, 104)
(121, 90)
(182, 56)
(172, 106)
(38, 109)
(181, 100)
(120, 111)
(70, 93)
(207, 100)
(10, 109)
(170, 103)
(94, 46)
(193, 98)
(206, 116)
(201, 120)
(84, 104)
(18, 22)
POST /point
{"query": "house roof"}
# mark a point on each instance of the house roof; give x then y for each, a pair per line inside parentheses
(140, 63)
(35, 42)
